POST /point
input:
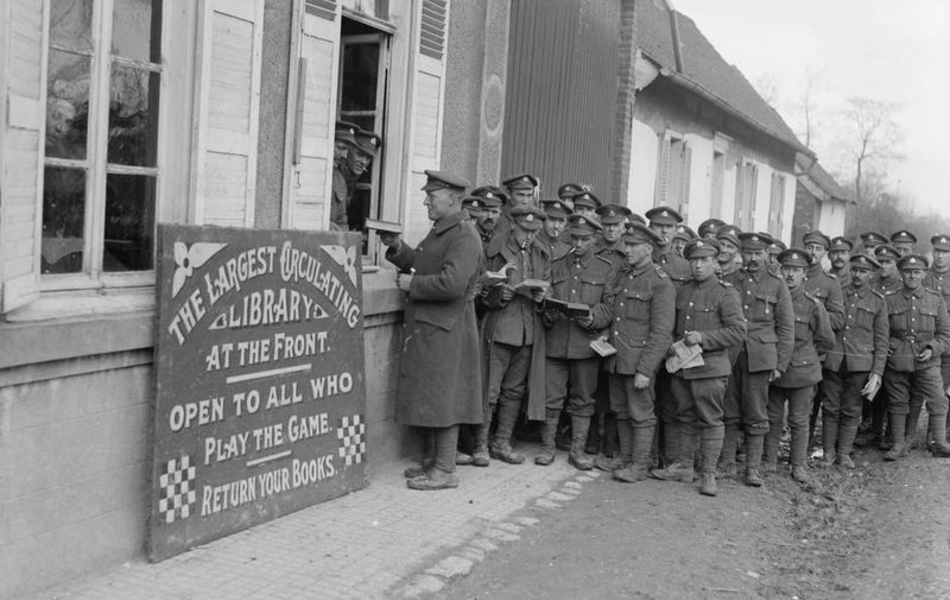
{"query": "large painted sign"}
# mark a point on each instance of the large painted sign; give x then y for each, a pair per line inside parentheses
(260, 396)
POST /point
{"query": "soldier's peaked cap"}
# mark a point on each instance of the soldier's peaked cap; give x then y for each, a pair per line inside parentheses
(522, 181)
(863, 261)
(710, 226)
(684, 232)
(587, 200)
(368, 142)
(816, 237)
(873, 237)
(903, 236)
(569, 189)
(491, 194)
(663, 215)
(613, 213)
(528, 217)
(555, 207)
(941, 241)
(441, 180)
(700, 248)
(753, 241)
(886, 252)
(842, 243)
(582, 225)
(794, 257)
(913, 261)
(346, 131)
(640, 234)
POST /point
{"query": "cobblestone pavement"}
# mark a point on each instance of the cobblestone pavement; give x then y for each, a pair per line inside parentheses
(384, 541)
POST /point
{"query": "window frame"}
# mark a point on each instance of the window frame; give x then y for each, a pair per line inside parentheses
(95, 165)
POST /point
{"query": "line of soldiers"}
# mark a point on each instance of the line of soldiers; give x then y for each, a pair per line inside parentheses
(715, 336)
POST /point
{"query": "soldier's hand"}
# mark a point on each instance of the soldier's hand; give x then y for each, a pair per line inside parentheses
(389, 238)
(641, 381)
(693, 338)
(507, 292)
(871, 387)
(538, 295)
(925, 354)
(776, 374)
(585, 321)
(404, 281)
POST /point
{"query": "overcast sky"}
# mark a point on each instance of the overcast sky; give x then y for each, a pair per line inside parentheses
(885, 49)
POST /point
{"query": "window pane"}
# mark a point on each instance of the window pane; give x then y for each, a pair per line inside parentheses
(360, 72)
(136, 29)
(64, 193)
(67, 105)
(130, 223)
(70, 24)
(133, 115)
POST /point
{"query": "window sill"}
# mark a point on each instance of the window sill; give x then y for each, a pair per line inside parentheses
(62, 326)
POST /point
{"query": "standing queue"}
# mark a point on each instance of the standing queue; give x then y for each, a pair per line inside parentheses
(690, 346)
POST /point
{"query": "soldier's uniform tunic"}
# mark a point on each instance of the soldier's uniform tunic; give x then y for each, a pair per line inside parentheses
(813, 336)
(572, 365)
(940, 282)
(918, 319)
(711, 307)
(768, 345)
(860, 350)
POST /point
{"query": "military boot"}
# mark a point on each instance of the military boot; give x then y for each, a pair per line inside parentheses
(641, 445)
(710, 441)
(548, 448)
(622, 457)
(578, 458)
(937, 430)
(754, 444)
(899, 450)
(501, 444)
(480, 454)
(681, 468)
(846, 436)
(427, 463)
(611, 442)
(727, 458)
(829, 438)
(671, 443)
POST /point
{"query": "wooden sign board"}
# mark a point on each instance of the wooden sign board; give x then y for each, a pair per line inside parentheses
(261, 393)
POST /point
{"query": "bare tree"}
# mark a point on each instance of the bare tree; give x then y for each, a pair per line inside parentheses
(807, 109)
(875, 137)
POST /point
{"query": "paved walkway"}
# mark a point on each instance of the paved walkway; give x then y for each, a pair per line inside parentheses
(384, 541)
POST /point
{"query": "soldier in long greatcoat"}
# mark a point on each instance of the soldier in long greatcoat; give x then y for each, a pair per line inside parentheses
(440, 385)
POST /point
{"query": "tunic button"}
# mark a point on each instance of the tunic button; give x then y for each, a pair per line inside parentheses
(617, 332)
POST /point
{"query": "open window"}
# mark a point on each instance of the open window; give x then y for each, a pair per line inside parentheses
(364, 62)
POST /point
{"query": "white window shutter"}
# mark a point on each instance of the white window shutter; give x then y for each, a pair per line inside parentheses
(230, 76)
(23, 78)
(662, 171)
(316, 111)
(428, 99)
(687, 170)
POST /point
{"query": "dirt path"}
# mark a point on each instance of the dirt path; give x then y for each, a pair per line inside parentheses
(879, 532)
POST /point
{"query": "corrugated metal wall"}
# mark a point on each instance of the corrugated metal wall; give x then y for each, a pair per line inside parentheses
(562, 92)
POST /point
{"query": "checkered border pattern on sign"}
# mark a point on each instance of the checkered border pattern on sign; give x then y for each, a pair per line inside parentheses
(177, 492)
(351, 432)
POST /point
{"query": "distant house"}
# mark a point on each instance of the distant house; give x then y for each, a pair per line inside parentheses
(820, 203)
(704, 141)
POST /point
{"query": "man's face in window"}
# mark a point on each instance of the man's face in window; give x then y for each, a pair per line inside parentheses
(340, 151)
(358, 161)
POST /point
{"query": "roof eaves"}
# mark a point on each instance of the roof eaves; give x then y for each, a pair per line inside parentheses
(703, 91)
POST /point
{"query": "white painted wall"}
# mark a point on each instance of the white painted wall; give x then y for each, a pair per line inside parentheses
(700, 179)
(644, 145)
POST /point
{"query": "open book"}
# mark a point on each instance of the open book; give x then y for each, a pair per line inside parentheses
(491, 278)
(528, 286)
(684, 357)
(570, 309)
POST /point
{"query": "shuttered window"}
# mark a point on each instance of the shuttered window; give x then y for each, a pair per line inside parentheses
(747, 180)
(673, 173)
(230, 76)
(777, 204)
